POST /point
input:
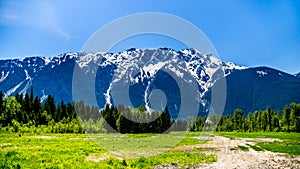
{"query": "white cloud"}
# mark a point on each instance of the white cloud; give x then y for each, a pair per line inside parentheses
(49, 18)
(9, 17)
(40, 14)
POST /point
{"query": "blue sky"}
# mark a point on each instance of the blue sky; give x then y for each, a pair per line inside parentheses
(251, 33)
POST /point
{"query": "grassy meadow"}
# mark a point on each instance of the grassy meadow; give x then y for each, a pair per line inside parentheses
(125, 150)
(92, 151)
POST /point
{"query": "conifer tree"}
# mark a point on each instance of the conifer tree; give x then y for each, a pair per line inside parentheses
(286, 118)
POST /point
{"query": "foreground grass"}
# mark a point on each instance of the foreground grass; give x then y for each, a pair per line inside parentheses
(288, 147)
(55, 151)
(290, 143)
(174, 157)
(73, 151)
(279, 135)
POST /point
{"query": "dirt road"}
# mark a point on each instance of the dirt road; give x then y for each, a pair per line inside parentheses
(227, 158)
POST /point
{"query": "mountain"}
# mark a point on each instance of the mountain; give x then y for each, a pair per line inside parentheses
(297, 75)
(45, 75)
(256, 88)
(151, 77)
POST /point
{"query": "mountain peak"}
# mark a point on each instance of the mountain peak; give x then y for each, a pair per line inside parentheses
(235, 66)
(19, 74)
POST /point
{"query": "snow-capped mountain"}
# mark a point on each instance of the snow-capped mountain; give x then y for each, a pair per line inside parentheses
(103, 76)
(18, 75)
(297, 75)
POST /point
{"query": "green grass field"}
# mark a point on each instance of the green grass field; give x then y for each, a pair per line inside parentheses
(289, 142)
(124, 151)
(86, 151)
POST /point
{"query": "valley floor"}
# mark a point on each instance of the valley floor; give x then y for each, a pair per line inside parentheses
(195, 150)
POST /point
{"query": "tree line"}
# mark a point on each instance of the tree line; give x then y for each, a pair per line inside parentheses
(26, 113)
(267, 120)
(128, 120)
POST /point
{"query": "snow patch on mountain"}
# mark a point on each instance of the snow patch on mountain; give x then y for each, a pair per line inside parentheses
(3, 76)
(262, 73)
(153, 67)
(44, 96)
(231, 65)
(27, 75)
(47, 60)
(12, 90)
(146, 97)
(28, 84)
(107, 96)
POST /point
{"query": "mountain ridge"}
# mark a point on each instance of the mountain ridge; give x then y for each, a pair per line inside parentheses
(54, 75)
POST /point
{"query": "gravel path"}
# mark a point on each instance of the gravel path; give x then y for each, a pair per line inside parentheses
(238, 159)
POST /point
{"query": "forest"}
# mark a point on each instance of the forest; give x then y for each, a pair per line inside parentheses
(27, 114)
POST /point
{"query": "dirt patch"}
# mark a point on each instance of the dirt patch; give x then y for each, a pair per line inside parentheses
(238, 159)
(88, 138)
(103, 157)
(73, 138)
(43, 137)
(268, 139)
(137, 154)
(166, 167)
(96, 158)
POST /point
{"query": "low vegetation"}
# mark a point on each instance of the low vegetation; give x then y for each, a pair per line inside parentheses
(80, 151)
(190, 141)
(256, 148)
(278, 135)
(291, 147)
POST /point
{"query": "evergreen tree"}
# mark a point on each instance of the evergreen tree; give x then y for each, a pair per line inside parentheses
(250, 122)
(110, 115)
(238, 118)
(275, 121)
(293, 119)
(124, 125)
(71, 111)
(297, 116)
(63, 111)
(37, 108)
(166, 119)
(268, 119)
(26, 104)
(264, 120)
(1, 106)
(31, 95)
(286, 118)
